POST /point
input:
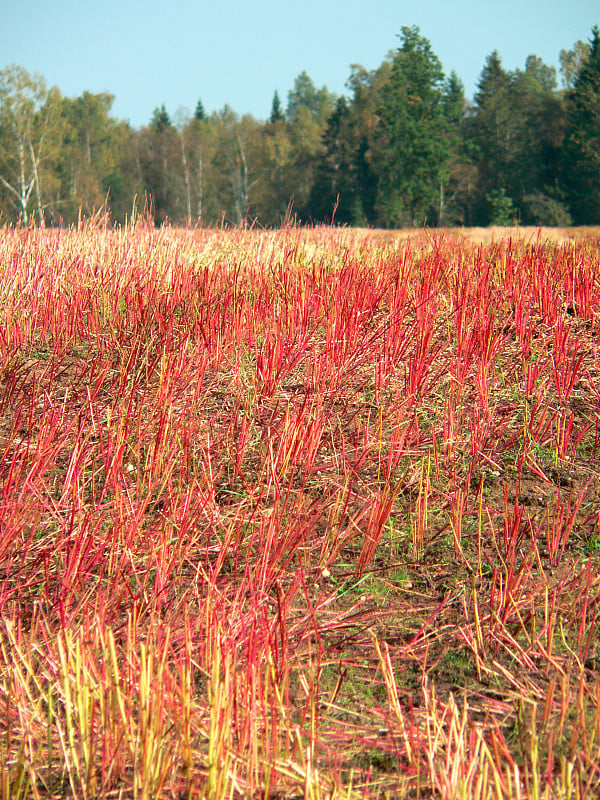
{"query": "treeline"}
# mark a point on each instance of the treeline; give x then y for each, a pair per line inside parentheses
(404, 148)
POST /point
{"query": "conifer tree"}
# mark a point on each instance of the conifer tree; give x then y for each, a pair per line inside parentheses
(276, 109)
(199, 113)
(160, 119)
(493, 129)
(582, 150)
(413, 150)
(333, 187)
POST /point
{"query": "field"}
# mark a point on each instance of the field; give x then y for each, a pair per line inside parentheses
(299, 514)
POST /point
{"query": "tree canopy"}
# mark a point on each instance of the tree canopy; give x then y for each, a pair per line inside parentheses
(403, 147)
(412, 141)
(582, 152)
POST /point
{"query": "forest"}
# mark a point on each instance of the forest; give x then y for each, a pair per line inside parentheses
(403, 148)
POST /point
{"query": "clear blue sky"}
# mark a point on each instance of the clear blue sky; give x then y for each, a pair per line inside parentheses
(238, 52)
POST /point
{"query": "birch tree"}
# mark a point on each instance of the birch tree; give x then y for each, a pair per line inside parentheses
(30, 125)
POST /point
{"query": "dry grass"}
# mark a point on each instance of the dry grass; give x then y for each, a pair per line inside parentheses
(299, 514)
(491, 234)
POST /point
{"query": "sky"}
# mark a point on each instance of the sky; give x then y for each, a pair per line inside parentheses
(239, 52)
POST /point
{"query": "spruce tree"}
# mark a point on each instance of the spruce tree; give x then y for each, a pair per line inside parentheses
(582, 150)
(413, 150)
(160, 119)
(332, 190)
(493, 131)
(199, 113)
(276, 109)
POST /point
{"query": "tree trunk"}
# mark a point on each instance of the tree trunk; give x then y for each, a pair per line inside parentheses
(36, 182)
(242, 199)
(186, 177)
(200, 187)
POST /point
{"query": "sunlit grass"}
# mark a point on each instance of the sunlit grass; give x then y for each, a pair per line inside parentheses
(298, 514)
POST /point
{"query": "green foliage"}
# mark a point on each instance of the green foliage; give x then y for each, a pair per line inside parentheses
(453, 100)
(306, 97)
(404, 147)
(502, 208)
(31, 133)
(413, 145)
(276, 109)
(539, 76)
(199, 113)
(516, 136)
(160, 119)
(91, 156)
(493, 127)
(582, 151)
(541, 209)
(308, 110)
(332, 188)
(159, 157)
(274, 190)
(571, 62)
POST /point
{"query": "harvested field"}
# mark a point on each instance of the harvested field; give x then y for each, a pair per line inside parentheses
(299, 514)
